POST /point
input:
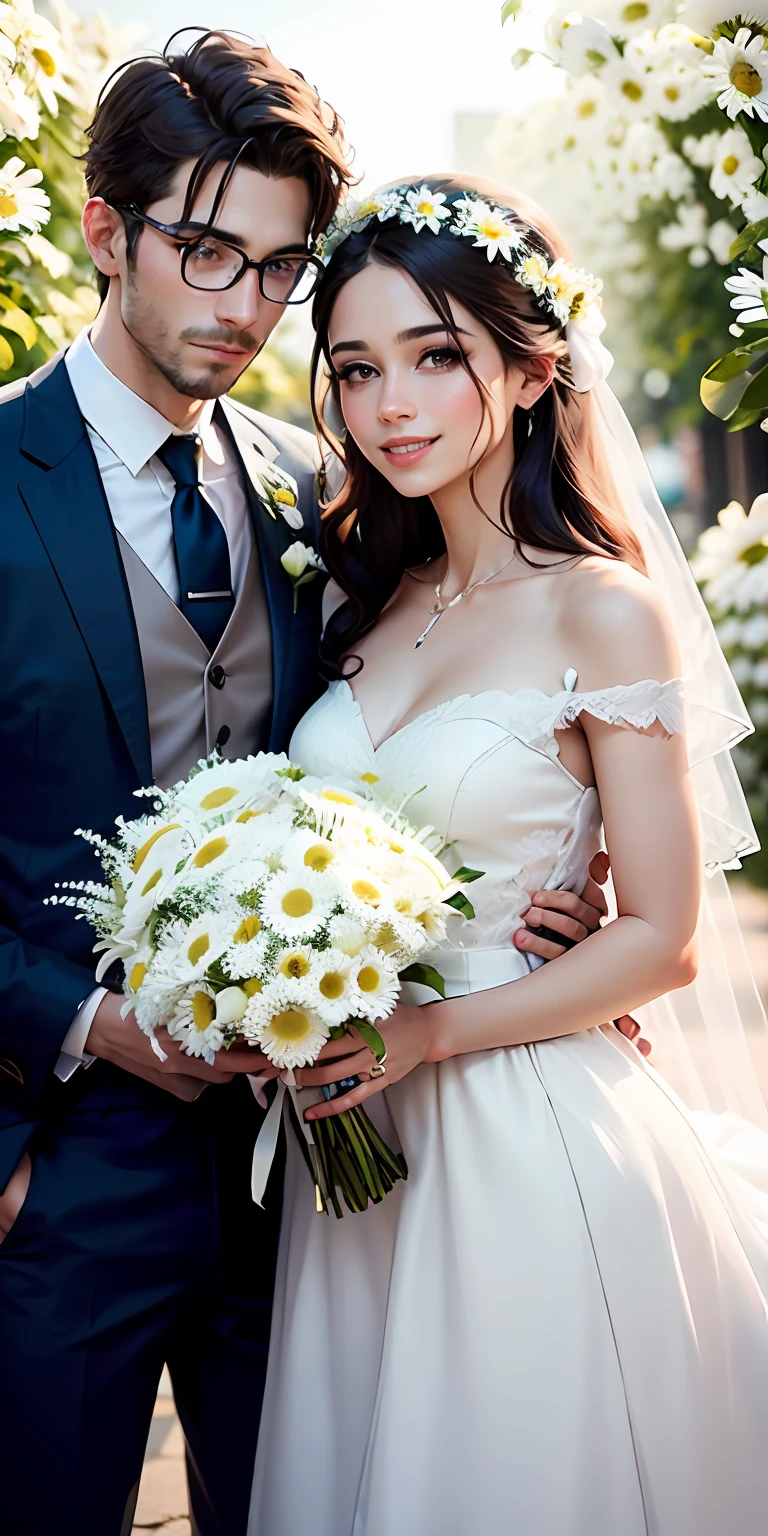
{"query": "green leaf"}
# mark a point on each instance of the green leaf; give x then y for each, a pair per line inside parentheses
(424, 976)
(15, 319)
(372, 1038)
(520, 59)
(461, 903)
(510, 8)
(755, 397)
(749, 237)
(6, 355)
(468, 875)
(728, 381)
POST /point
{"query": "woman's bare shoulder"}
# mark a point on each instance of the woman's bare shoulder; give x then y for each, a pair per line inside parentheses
(615, 620)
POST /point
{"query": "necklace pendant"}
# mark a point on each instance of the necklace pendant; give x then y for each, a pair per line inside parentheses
(431, 625)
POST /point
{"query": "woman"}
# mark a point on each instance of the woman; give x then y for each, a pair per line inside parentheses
(553, 1328)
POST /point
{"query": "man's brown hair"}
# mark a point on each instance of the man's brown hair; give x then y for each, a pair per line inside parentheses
(223, 98)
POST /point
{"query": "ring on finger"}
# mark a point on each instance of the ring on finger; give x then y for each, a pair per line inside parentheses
(377, 1070)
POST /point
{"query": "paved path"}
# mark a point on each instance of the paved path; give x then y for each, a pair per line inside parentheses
(163, 1496)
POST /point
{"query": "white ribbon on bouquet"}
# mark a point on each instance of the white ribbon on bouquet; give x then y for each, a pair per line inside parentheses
(266, 1141)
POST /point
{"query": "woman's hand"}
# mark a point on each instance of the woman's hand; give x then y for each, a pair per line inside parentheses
(408, 1036)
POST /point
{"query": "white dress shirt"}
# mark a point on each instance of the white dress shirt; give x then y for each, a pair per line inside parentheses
(126, 434)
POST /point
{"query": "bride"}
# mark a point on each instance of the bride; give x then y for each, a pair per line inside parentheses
(558, 1326)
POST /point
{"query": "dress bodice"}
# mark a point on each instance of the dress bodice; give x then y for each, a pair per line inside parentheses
(484, 769)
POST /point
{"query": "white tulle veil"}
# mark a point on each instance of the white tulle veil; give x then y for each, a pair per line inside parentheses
(710, 1039)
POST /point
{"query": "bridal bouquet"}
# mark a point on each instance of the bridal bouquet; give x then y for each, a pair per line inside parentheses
(255, 905)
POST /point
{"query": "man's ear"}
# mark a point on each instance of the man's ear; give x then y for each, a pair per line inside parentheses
(104, 235)
(538, 375)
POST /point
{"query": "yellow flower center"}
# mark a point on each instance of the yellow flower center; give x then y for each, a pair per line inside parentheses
(636, 10)
(137, 975)
(337, 798)
(152, 882)
(203, 1010)
(492, 229)
(586, 109)
(369, 778)
(8, 205)
(319, 856)
(251, 986)
(210, 851)
(427, 209)
(632, 90)
(404, 905)
(570, 142)
(297, 903)
(730, 165)
(45, 61)
(290, 1026)
(160, 831)
(368, 978)
(672, 92)
(332, 985)
(366, 891)
(218, 797)
(286, 497)
(248, 929)
(746, 79)
(386, 938)
(249, 815)
(198, 948)
(295, 965)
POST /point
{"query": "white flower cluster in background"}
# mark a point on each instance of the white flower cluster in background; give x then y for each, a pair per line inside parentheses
(255, 904)
(731, 565)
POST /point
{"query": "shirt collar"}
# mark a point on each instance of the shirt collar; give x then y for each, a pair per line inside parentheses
(131, 427)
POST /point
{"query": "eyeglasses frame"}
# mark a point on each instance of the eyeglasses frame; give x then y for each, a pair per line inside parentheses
(189, 243)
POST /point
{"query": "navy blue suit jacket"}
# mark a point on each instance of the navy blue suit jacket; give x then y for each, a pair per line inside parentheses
(74, 734)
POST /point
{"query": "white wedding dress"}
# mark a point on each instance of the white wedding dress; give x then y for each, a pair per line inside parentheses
(558, 1326)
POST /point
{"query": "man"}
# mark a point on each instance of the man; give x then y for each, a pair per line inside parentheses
(147, 618)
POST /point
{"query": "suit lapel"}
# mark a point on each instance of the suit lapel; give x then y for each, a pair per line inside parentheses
(66, 501)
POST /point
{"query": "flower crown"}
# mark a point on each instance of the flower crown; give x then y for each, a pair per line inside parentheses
(567, 292)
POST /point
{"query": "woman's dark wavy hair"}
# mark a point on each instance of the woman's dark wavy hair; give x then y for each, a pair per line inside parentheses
(559, 497)
(219, 101)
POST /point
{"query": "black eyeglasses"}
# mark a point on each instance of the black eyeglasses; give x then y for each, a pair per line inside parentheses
(211, 263)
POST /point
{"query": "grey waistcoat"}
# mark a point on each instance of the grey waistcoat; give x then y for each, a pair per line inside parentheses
(187, 711)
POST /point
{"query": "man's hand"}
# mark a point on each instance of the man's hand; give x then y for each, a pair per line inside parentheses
(121, 1042)
(13, 1196)
(575, 918)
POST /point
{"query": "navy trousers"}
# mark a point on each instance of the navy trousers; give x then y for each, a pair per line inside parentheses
(138, 1244)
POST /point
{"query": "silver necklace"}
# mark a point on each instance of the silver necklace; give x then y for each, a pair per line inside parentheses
(439, 607)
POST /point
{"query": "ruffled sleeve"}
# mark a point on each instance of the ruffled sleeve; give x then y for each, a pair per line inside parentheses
(635, 706)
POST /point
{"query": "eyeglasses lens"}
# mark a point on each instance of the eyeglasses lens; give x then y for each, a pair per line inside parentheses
(212, 264)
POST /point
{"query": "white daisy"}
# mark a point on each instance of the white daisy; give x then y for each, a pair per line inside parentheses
(720, 238)
(244, 955)
(347, 934)
(296, 905)
(735, 168)
(425, 207)
(188, 949)
(23, 205)
(284, 1024)
(751, 291)
(155, 1001)
(490, 228)
(365, 893)
(375, 985)
(226, 789)
(19, 116)
(632, 86)
(630, 18)
(306, 850)
(689, 229)
(579, 44)
(247, 875)
(194, 1023)
(739, 71)
(137, 970)
(704, 15)
(217, 851)
(702, 151)
(154, 869)
(331, 978)
(295, 962)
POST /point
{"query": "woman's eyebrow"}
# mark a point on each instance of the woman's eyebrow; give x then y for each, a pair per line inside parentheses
(414, 333)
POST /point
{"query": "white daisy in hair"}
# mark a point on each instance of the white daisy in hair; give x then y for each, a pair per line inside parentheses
(375, 985)
(296, 904)
(194, 1023)
(489, 227)
(422, 207)
(283, 1023)
(331, 970)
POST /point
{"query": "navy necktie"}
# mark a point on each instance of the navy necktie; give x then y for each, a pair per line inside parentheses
(202, 552)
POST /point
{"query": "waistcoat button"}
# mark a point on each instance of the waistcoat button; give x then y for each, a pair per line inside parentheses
(217, 676)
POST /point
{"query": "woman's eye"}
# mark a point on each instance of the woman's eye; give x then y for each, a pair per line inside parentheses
(357, 373)
(442, 357)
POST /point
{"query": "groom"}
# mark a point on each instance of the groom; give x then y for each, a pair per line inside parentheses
(147, 618)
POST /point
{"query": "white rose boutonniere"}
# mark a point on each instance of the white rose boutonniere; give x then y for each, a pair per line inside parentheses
(280, 495)
(303, 564)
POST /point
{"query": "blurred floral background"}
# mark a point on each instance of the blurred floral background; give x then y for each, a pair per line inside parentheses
(643, 127)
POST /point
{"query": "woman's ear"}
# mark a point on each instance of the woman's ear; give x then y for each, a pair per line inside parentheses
(538, 373)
